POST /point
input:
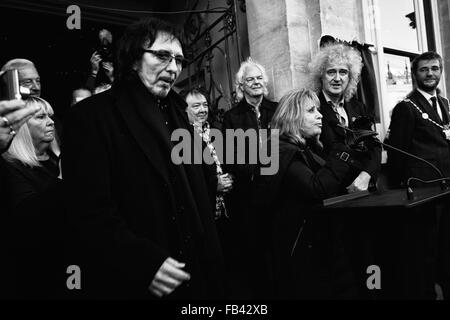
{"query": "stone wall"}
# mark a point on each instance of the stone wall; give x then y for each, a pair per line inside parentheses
(283, 35)
(444, 22)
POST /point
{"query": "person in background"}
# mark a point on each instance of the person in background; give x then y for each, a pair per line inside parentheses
(102, 70)
(253, 112)
(28, 74)
(220, 183)
(79, 94)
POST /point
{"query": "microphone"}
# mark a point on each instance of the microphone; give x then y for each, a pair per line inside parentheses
(362, 135)
(409, 190)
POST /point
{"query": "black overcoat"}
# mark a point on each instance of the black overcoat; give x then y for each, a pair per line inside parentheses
(301, 248)
(132, 205)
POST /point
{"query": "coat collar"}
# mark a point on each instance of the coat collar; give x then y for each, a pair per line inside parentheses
(327, 111)
(141, 113)
(246, 107)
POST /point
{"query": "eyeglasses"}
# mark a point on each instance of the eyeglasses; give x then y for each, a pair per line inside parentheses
(167, 56)
(253, 79)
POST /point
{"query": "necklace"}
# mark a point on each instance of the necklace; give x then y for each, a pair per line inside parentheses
(204, 132)
(445, 128)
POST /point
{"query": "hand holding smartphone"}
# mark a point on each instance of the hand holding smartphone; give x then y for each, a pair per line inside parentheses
(10, 88)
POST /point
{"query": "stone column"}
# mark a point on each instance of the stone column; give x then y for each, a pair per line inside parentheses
(444, 22)
(284, 35)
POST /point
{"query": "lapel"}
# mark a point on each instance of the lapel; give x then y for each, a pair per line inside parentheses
(246, 117)
(146, 124)
(267, 111)
(444, 106)
(422, 103)
(352, 111)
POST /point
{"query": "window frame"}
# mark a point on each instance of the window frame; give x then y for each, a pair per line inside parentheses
(428, 35)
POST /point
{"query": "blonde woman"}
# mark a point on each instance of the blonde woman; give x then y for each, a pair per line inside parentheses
(36, 219)
(304, 257)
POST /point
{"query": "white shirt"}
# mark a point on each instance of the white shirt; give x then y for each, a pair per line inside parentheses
(339, 108)
(428, 97)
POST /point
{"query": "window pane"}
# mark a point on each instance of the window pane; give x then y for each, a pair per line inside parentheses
(398, 79)
(398, 25)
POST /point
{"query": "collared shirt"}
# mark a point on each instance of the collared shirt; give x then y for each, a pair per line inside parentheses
(428, 97)
(338, 108)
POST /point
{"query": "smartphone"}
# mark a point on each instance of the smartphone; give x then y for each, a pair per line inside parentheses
(9, 85)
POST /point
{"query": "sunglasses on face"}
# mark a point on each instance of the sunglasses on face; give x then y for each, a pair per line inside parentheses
(167, 56)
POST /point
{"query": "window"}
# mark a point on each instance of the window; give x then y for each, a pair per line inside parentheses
(400, 30)
(398, 25)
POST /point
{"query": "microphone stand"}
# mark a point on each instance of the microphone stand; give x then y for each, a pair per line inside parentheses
(409, 190)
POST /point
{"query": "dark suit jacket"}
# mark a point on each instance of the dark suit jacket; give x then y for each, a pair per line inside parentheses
(411, 132)
(132, 205)
(243, 117)
(331, 134)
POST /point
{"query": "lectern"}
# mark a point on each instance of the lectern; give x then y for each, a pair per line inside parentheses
(398, 235)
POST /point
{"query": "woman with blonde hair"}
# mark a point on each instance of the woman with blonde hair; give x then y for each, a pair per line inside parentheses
(303, 248)
(35, 142)
(36, 219)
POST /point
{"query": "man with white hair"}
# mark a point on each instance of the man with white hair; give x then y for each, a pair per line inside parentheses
(254, 112)
(28, 75)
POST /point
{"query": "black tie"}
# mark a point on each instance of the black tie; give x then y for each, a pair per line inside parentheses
(435, 105)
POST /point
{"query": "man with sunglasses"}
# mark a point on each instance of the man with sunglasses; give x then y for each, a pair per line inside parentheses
(253, 113)
(149, 230)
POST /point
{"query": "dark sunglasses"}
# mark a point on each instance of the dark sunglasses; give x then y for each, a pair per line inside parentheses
(167, 56)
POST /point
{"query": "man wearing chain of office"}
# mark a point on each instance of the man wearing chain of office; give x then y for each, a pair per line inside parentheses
(420, 125)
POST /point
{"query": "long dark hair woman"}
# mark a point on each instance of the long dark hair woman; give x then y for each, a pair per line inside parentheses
(301, 245)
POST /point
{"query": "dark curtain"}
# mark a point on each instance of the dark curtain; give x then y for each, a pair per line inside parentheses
(367, 87)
